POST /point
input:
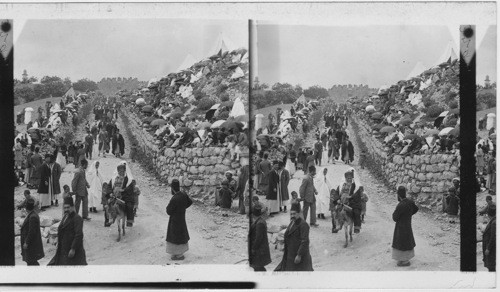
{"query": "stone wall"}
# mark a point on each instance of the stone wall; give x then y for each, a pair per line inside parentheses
(199, 170)
(426, 176)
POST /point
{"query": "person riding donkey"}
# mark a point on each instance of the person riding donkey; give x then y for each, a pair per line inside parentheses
(350, 195)
(123, 184)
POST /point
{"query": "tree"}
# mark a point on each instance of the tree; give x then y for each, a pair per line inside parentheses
(316, 92)
(24, 93)
(54, 86)
(67, 82)
(85, 85)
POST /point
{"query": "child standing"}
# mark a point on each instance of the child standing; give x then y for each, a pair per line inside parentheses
(364, 199)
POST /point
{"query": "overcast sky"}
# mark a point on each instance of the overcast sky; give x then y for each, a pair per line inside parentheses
(117, 48)
(373, 55)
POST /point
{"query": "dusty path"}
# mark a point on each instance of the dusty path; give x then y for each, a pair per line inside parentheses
(438, 242)
(214, 239)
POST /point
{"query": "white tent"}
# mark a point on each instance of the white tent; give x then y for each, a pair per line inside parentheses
(258, 121)
(417, 70)
(448, 55)
(222, 43)
(238, 108)
(301, 99)
(188, 62)
(71, 92)
(490, 121)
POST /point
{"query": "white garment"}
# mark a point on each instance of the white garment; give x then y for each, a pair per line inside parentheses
(290, 166)
(323, 186)
(95, 181)
(61, 160)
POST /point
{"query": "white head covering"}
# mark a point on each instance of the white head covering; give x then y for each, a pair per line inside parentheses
(127, 174)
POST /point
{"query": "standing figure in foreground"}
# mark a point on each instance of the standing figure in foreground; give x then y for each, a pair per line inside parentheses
(177, 232)
(296, 256)
(79, 186)
(403, 242)
(260, 256)
(490, 241)
(70, 249)
(31, 238)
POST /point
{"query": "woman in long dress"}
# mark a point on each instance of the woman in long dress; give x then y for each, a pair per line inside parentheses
(95, 180)
(323, 185)
(61, 159)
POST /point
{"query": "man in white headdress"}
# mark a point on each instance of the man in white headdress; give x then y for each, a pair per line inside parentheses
(95, 191)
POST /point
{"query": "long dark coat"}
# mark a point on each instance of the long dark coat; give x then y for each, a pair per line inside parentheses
(70, 236)
(44, 171)
(30, 234)
(265, 167)
(177, 232)
(56, 176)
(36, 161)
(272, 188)
(296, 243)
(120, 141)
(284, 179)
(403, 234)
(260, 255)
(490, 243)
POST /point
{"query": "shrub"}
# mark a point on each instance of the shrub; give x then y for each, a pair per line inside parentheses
(428, 102)
(434, 111)
(205, 103)
(450, 96)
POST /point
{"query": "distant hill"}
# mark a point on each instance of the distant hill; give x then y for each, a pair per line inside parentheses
(340, 93)
(109, 86)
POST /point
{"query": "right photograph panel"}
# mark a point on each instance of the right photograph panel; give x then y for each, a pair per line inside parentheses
(356, 144)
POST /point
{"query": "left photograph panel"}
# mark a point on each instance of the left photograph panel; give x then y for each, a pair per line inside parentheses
(131, 142)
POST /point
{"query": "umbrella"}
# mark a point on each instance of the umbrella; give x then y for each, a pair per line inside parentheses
(405, 121)
(215, 106)
(378, 127)
(232, 125)
(411, 137)
(445, 131)
(158, 122)
(444, 114)
(387, 129)
(176, 115)
(370, 109)
(242, 118)
(204, 125)
(147, 108)
(455, 132)
(148, 120)
(140, 101)
(438, 121)
(377, 115)
(182, 130)
(210, 113)
(217, 124)
(431, 132)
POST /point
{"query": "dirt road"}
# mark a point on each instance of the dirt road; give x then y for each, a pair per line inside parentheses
(437, 240)
(214, 239)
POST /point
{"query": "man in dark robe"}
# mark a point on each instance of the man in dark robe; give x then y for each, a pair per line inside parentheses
(70, 249)
(31, 238)
(296, 256)
(490, 241)
(240, 189)
(264, 168)
(260, 256)
(118, 144)
(177, 232)
(273, 189)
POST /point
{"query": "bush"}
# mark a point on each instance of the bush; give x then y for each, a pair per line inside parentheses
(453, 104)
(205, 103)
(428, 102)
(434, 111)
(450, 97)
(85, 110)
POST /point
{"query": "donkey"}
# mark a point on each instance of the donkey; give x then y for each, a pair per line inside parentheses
(343, 216)
(117, 212)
